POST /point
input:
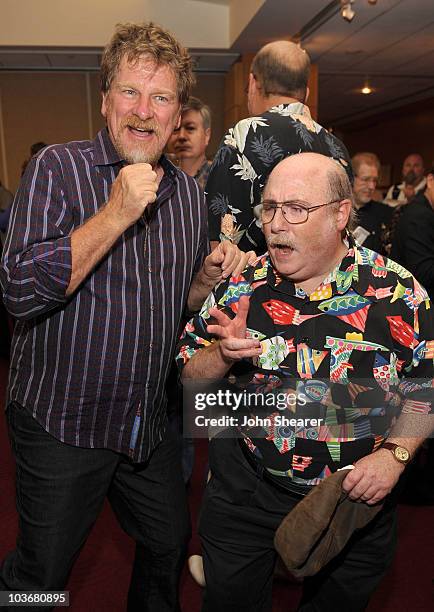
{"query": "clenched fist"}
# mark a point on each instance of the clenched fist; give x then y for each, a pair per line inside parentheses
(134, 188)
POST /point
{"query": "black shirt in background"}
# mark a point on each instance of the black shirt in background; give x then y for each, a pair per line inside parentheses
(413, 245)
(374, 217)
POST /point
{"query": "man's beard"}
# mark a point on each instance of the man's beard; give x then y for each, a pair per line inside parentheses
(410, 178)
(140, 153)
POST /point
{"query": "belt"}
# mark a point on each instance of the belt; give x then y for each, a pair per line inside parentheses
(298, 491)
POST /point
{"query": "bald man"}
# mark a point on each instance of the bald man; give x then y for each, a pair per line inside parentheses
(413, 181)
(314, 313)
(280, 125)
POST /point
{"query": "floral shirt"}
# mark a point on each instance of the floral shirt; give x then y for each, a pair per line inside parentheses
(202, 174)
(249, 152)
(358, 351)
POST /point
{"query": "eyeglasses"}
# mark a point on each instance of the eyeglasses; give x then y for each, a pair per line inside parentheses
(294, 212)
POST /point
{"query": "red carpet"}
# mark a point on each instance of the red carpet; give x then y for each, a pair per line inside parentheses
(99, 580)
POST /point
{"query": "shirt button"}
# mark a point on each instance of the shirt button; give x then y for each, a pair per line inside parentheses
(152, 307)
(151, 344)
(149, 269)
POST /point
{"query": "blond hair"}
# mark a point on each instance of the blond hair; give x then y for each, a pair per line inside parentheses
(133, 40)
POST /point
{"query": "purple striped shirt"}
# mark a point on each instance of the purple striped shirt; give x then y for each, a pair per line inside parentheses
(92, 367)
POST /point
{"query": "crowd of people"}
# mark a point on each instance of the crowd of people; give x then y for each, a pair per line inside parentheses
(266, 272)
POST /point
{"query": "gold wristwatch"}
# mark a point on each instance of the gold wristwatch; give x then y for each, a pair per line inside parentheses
(400, 453)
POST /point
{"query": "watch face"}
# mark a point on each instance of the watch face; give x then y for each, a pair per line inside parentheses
(402, 453)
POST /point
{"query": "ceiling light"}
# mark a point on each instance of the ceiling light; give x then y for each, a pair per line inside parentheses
(347, 11)
(372, 1)
(366, 90)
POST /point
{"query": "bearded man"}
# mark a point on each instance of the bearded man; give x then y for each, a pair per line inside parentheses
(107, 246)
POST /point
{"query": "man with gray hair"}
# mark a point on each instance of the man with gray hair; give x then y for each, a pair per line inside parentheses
(313, 322)
(280, 125)
(373, 217)
(106, 249)
(190, 140)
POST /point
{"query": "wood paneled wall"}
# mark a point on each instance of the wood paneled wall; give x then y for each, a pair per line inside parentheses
(59, 107)
(394, 135)
(48, 107)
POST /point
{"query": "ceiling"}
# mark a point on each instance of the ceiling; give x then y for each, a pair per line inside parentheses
(389, 44)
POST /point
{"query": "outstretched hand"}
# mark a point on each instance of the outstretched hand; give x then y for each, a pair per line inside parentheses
(231, 333)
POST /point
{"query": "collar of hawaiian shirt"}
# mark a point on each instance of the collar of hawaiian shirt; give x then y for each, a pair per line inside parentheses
(354, 272)
(295, 108)
(204, 168)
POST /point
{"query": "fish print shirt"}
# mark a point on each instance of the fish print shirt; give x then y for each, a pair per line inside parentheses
(357, 352)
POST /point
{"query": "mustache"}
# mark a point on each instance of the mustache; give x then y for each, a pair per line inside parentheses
(281, 240)
(135, 122)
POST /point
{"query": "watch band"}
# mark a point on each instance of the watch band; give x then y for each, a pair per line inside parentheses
(400, 453)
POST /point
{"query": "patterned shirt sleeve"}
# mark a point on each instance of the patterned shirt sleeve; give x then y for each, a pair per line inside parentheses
(417, 384)
(195, 335)
(222, 189)
(36, 265)
(225, 297)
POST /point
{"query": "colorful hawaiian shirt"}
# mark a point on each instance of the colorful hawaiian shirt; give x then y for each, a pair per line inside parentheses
(248, 153)
(359, 350)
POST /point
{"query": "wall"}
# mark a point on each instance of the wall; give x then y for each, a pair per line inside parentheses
(48, 107)
(63, 106)
(241, 13)
(210, 89)
(394, 135)
(90, 23)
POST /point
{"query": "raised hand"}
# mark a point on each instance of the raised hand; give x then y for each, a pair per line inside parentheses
(233, 344)
(134, 188)
(226, 260)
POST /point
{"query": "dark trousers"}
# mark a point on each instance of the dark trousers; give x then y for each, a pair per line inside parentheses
(60, 492)
(240, 515)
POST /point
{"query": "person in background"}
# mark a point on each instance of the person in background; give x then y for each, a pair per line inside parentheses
(280, 125)
(190, 140)
(398, 196)
(6, 199)
(34, 150)
(413, 248)
(413, 181)
(187, 145)
(107, 248)
(372, 217)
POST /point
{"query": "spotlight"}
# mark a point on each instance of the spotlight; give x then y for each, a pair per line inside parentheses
(372, 1)
(346, 10)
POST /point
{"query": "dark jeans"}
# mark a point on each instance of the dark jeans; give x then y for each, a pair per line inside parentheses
(240, 515)
(60, 492)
